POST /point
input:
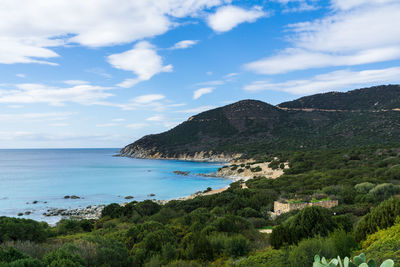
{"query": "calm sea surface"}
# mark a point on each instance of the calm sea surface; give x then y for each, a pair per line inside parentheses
(47, 175)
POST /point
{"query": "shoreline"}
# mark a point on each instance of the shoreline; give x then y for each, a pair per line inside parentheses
(229, 170)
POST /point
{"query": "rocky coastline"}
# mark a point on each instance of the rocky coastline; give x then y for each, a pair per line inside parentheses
(89, 213)
(235, 169)
(139, 152)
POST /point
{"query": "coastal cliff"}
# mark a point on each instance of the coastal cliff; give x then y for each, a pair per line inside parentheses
(153, 153)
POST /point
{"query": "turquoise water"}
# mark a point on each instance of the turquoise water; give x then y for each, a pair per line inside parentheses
(47, 175)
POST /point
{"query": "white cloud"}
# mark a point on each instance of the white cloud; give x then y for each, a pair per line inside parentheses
(106, 125)
(300, 59)
(38, 93)
(20, 75)
(337, 80)
(341, 39)
(297, 5)
(118, 120)
(184, 44)
(51, 116)
(136, 125)
(202, 91)
(15, 106)
(75, 82)
(349, 4)
(99, 71)
(59, 124)
(210, 83)
(30, 29)
(146, 99)
(156, 118)
(196, 110)
(228, 17)
(142, 60)
(230, 75)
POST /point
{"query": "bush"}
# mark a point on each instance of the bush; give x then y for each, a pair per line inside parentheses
(303, 254)
(344, 242)
(67, 255)
(309, 222)
(113, 210)
(383, 244)
(257, 222)
(29, 262)
(237, 246)
(268, 257)
(249, 212)
(384, 191)
(256, 169)
(232, 224)
(381, 217)
(363, 188)
(22, 229)
(11, 255)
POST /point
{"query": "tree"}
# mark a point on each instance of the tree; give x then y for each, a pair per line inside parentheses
(309, 222)
(381, 217)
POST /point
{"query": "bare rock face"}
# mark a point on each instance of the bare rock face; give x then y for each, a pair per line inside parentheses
(137, 151)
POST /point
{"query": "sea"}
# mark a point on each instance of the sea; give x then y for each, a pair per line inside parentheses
(36, 180)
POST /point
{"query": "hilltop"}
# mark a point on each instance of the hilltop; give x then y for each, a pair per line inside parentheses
(368, 116)
(384, 97)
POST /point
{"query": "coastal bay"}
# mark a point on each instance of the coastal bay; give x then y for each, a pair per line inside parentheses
(37, 181)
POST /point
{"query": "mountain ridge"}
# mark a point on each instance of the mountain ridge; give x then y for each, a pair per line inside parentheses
(250, 127)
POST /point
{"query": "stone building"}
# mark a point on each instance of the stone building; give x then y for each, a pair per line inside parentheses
(286, 206)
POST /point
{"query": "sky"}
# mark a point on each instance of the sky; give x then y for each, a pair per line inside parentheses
(103, 73)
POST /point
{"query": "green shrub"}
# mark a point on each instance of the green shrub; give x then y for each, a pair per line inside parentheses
(303, 254)
(383, 244)
(256, 169)
(236, 246)
(364, 188)
(28, 262)
(309, 222)
(384, 191)
(22, 229)
(67, 255)
(113, 210)
(11, 255)
(381, 217)
(269, 257)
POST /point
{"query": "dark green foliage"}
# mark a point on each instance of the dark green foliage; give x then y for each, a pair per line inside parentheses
(303, 254)
(71, 226)
(11, 255)
(22, 229)
(68, 255)
(256, 169)
(28, 262)
(237, 245)
(113, 210)
(381, 217)
(307, 223)
(373, 98)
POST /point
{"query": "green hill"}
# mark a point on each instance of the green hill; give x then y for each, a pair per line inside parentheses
(249, 127)
(373, 98)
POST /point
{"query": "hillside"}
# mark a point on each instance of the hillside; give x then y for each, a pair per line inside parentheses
(373, 98)
(250, 127)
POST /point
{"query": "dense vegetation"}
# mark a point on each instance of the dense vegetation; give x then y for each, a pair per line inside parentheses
(223, 229)
(373, 98)
(250, 127)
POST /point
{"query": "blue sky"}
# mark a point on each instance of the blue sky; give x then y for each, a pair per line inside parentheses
(104, 73)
